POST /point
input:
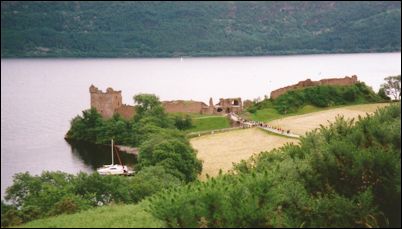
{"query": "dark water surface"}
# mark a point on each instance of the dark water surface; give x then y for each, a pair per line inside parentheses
(39, 97)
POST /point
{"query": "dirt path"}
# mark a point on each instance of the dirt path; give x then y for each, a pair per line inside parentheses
(220, 151)
(300, 124)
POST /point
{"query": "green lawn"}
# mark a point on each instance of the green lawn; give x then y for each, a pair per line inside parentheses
(109, 216)
(193, 115)
(209, 123)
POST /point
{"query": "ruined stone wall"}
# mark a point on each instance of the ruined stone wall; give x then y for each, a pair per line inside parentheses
(106, 103)
(229, 105)
(184, 106)
(308, 83)
(110, 102)
(126, 111)
(342, 81)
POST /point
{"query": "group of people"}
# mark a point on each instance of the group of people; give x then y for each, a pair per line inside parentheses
(248, 124)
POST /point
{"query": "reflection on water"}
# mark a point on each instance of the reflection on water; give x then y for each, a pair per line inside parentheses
(96, 156)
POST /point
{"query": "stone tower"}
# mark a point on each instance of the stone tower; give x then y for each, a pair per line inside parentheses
(106, 103)
(211, 107)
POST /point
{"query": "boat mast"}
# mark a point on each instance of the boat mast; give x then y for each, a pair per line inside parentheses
(112, 152)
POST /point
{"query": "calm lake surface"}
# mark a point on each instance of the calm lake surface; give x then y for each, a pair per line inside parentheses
(39, 97)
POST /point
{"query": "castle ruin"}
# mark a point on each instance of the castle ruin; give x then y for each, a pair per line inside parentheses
(309, 83)
(234, 105)
(110, 102)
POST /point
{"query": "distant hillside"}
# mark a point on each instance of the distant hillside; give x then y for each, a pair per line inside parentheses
(165, 29)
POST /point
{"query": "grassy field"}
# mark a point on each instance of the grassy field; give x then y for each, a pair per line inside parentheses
(220, 151)
(109, 216)
(209, 123)
(300, 124)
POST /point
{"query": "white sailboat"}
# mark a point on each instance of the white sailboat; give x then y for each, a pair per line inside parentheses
(114, 169)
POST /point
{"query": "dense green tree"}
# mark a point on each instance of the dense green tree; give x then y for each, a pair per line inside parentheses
(171, 150)
(382, 94)
(149, 108)
(183, 122)
(87, 127)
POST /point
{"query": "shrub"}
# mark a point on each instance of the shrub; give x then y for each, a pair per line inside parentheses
(150, 180)
(183, 122)
(171, 150)
(69, 204)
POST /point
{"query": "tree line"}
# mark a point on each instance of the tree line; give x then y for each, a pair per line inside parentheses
(169, 29)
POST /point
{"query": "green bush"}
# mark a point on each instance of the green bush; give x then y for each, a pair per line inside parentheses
(171, 150)
(183, 122)
(150, 180)
(69, 204)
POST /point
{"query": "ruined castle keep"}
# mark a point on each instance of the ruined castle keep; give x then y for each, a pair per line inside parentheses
(110, 102)
(309, 83)
(229, 105)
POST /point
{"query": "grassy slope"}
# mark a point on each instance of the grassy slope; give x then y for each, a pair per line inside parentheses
(209, 123)
(108, 216)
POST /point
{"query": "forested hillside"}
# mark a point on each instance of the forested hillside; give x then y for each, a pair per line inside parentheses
(156, 29)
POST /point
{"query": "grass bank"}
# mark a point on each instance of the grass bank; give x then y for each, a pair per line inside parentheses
(203, 123)
(108, 216)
